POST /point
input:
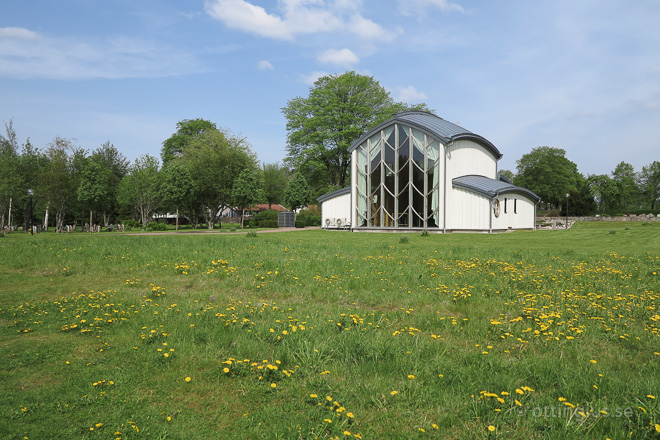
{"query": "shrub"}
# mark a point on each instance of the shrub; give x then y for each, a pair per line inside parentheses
(311, 216)
(132, 224)
(404, 239)
(268, 224)
(251, 234)
(2, 234)
(300, 223)
(156, 226)
(425, 233)
(264, 216)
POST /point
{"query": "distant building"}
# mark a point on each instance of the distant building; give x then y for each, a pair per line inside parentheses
(418, 171)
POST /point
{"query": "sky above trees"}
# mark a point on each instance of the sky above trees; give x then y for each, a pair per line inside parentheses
(580, 76)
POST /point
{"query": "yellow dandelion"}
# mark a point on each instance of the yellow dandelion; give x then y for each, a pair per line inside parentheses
(187, 379)
(435, 426)
(394, 393)
(273, 385)
(313, 396)
(327, 420)
(519, 391)
(491, 428)
(592, 361)
(411, 377)
(650, 396)
(226, 370)
(657, 427)
(349, 415)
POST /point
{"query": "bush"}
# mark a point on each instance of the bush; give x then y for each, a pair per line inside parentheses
(260, 218)
(2, 234)
(251, 234)
(311, 216)
(404, 239)
(300, 223)
(425, 233)
(268, 224)
(132, 224)
(156, 226)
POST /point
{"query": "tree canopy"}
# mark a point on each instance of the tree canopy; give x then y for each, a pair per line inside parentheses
(322, 126)
(187, 131)
(547, 172)
(298, 193)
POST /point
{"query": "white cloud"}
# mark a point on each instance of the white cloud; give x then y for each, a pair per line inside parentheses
(311, 78)
(26, 54)
(342, 58)
(420, 7)
(15, 32)
(296, 17)
(239, 14)
(409, 94)
(265, 65)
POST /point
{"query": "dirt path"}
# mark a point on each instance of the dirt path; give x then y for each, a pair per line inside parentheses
(217, 231)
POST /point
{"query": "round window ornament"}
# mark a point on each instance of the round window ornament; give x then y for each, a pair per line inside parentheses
(496, 208)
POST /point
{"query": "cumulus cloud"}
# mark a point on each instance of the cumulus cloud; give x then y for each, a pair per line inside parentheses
(296, 17)
(311, 78)
(26, 54)
(342, 58)
(420, 7)
(265, 65)
(409, 94)
(16, 32)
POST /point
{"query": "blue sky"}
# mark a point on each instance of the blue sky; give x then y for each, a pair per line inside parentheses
(579, 75)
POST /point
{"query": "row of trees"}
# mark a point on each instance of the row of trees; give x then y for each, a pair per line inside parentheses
(205, 171)
(547, 172)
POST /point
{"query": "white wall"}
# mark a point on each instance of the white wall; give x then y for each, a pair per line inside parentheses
(336, 208)
(467, 210)
(522, 218)
(466, 158)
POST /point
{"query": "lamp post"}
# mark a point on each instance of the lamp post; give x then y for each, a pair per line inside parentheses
(30, 193)
(566, 210)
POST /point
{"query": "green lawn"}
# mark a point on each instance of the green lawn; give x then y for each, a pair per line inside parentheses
(319, 334)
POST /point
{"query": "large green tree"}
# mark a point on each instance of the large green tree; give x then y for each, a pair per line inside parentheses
(322, 126)
(10, 184)
(214, 161)
(275, 179)
(93, 190)
(140, 188)
(177, 188)
(187, 131)
(246, 192)
(547, 172)
(604, 191)
(649, 182)
(628, 196)
(298, 193)
(116, 165)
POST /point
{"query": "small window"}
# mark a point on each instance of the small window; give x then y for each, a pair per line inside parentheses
(505, 199)
(515, 206)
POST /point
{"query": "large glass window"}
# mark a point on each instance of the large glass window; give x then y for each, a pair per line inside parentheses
(398, 179)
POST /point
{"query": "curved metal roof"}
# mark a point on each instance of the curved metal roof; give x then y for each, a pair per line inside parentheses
(335, 193)
(490, 187)
(442, 130)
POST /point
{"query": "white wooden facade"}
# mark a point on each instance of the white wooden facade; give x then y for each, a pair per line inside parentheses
(417, 171)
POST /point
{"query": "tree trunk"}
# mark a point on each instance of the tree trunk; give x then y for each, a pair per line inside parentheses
(177, 220)
(46, 217)
(242, 216)
(90, 222)
(9, 219)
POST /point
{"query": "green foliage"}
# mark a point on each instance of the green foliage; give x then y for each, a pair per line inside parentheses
(310, 216)
(251, 234)
(425, 233)
(404, 239)
(300, 224)
(187, 131)
(260, 218)
(140, 188)
(298, 193)
(649, 182)
(549, 174)
(321, 127)
(275, 179)
(157, 226)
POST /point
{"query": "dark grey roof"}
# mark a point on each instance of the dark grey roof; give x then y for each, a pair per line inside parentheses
(442, 130)
(491, 187)
(332, 194)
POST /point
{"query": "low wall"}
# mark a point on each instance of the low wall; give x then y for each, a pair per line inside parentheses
(561, 222)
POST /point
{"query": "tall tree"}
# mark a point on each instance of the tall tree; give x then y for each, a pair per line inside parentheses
(649, 182)
(214, 161)
(187, 131)
(322, 127)
(177, 188)
(628, 192)
(246, 192)
(116, 165)
(9, 176)
(59, 179)
(298, 193)
(140, 188)
(604, 191)
(274, 183)
(93, 189)
(547, 172)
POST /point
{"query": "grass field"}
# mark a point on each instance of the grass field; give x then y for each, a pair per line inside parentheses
(317, 334)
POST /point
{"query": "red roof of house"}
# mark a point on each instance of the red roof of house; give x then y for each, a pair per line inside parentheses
(264, 207)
